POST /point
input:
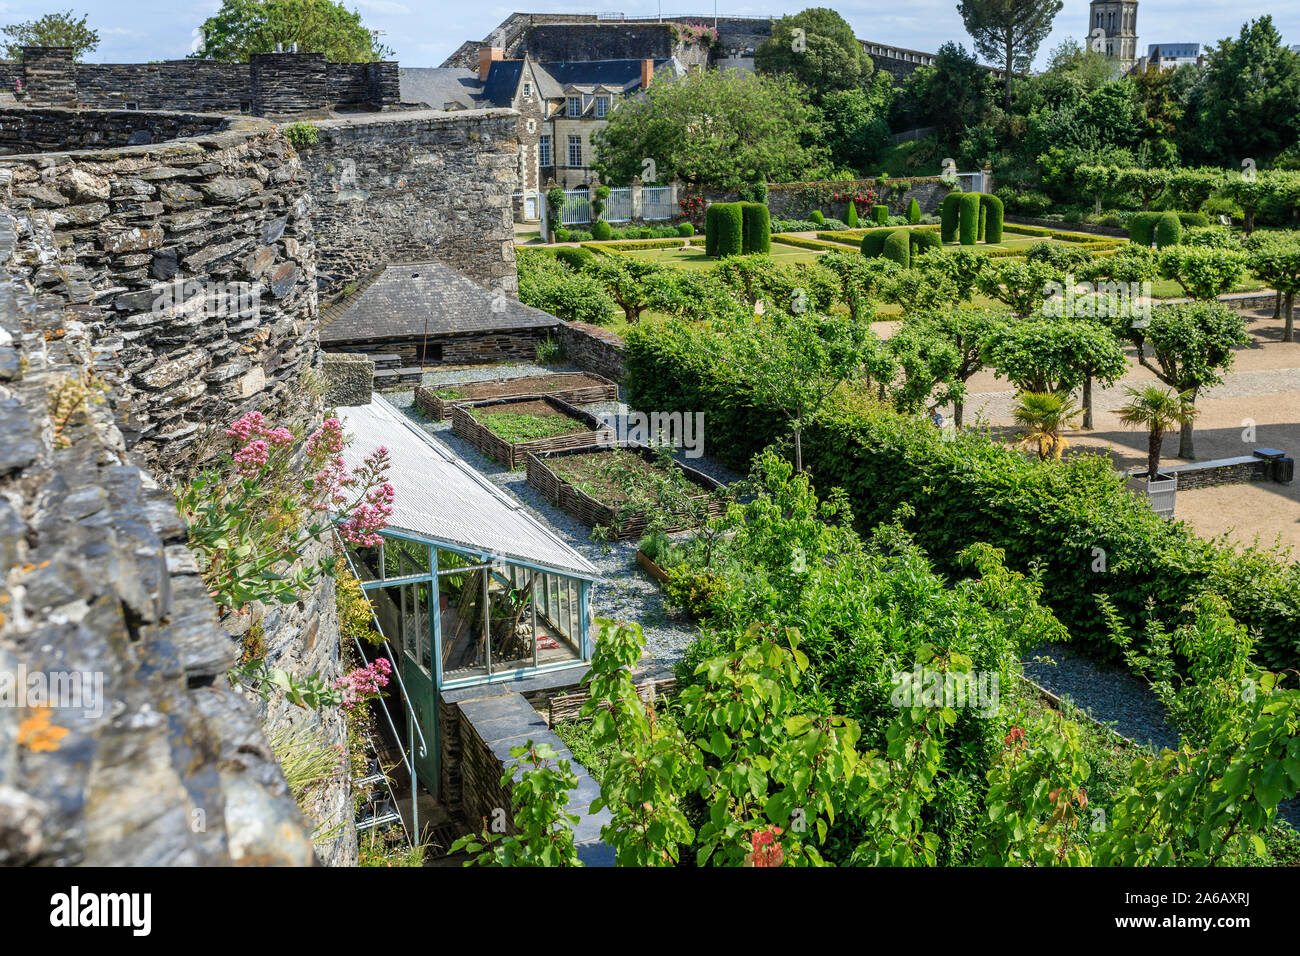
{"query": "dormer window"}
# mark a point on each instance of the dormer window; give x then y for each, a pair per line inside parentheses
(602, 106)
(575, 105)
(528, 90)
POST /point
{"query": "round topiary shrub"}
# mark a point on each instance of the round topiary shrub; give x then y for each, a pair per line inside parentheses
(948, 213)
(1169, 230)
(898, 247)
(968, 218)
(730, 229)
(913, 211)
(817, 217)
(685, 229)
(880, 214)
(873, 242)
(575, 257)
(851, 215)
(993, 226)
(562, 235)
(757, 228)
(1141, 227)
(602, 230)
(923, 241)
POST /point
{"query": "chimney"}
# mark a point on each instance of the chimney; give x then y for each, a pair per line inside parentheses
(647, 71)
(486, 54)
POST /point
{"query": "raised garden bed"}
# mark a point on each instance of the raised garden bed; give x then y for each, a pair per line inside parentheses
(576, 388)
(503, 428)
(587, 484)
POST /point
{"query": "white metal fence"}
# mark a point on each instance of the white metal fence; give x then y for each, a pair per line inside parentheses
(657, 203)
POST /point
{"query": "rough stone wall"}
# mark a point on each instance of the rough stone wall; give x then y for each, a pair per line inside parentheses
(202, 85)
(1221, 471)
(190, 268)
(37, 129)
(48, 76)
(200, 252)
(457, 349)
(161, 763)
(404, 187)
(288, 82)
(594, 349)
(600, 41)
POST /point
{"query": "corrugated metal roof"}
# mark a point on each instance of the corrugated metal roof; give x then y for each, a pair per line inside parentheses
(439, 497)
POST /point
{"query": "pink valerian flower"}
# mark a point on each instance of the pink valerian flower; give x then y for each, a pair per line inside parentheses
(249, 426)
(764, 848)
(326, 442)
(257, 440)
(364, 683)
(252, 458)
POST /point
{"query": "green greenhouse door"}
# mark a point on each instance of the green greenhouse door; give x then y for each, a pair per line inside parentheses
(424, 708)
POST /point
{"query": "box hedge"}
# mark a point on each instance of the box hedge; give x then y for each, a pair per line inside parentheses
(1142, 227)
(948, 214)
(1061, 516)
(757, 224)
(725, 229)
(1169, 230)
(880, 214)
(968, 218)
(898, 247)
(993, 228)
(873, 242)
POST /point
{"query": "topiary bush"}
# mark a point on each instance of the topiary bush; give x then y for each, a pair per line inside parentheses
(984, 214)
(757, 225)
(602, 230)
(948, 214)
(575, 257)
(880, 214)
(817, 217)
(993, 226)
(922, 241)
(1169, 230)
(873, 243)
(685, 229)
(968, 218)
(711, 231)
(1142, 227)
(851, 215)
(728, 229)
(562, 235)
(898, 247)
(913, 211)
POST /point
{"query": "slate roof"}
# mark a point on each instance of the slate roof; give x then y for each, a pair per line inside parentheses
(439, 87)
(619, 74)
(440, 498)
(502, 81)
(412, 299)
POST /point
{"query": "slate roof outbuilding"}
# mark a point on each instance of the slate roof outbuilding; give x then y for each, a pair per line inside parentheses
(418, 298)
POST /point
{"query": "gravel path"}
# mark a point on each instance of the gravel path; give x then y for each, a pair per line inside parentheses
(627, 593)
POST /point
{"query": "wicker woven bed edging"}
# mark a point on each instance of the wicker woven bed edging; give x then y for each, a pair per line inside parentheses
(576, 502)
(597, 389)
(464, 424)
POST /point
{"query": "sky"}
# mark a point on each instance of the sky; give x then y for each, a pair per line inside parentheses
(425, 33)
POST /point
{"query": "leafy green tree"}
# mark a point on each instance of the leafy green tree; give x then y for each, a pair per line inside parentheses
(966, 331)
(1024, 286)
(860, 280)
(1157, 410)
(816, 47)
(1203, 272)
(1275, 258)
(712, 129)
(855, 123)
(630, 282)
(573, 296)
(1188, 346)
(1008, 32)
(929, 364)
(53, 29)
(951, 95)
(1247, 105)
(796, 361)
(244, 27)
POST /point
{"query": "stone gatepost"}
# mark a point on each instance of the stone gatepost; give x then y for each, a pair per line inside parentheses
(49, 76)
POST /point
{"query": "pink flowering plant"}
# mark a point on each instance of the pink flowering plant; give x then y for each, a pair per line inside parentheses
(364, 683)
(252, 516)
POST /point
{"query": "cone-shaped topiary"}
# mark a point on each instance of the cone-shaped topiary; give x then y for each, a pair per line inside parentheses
(1169, 230)
(948, 217)
(758, 228)
(881, 215)
(898, 247)
(914, 211)
(851, 215)
(993, 227)
(969, 218)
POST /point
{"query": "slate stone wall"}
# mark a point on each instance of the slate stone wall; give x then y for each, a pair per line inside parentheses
(594, 349)
(412, 186)
(1220, 471)
(160, 762)
(41, 129)
(188, 268)
(201, 85)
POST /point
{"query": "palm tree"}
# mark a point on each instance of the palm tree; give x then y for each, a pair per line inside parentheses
(1043, 415)
(1157, 410)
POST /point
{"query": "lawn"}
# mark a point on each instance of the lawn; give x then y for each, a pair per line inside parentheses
(694, 257)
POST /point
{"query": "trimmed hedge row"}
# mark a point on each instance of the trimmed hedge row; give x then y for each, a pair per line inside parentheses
(724, 229)
(968, 218)
(1064, 515)
(948, 217)
(758, 228)
(992, 206)
(897, 247)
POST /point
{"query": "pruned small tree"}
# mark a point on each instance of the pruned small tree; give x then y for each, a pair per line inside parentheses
(1157, 410)
(1275, 258)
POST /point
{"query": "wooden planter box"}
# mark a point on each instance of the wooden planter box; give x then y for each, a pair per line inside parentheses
(576, 388)
(466, 426)
(589, 511)
(651, 567)
(1161, 492)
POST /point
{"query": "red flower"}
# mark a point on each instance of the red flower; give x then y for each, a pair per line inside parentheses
(764, 848)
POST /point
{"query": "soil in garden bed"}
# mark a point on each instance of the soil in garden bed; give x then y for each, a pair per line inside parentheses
(612, 477)
(527, 421)
(536, 385)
